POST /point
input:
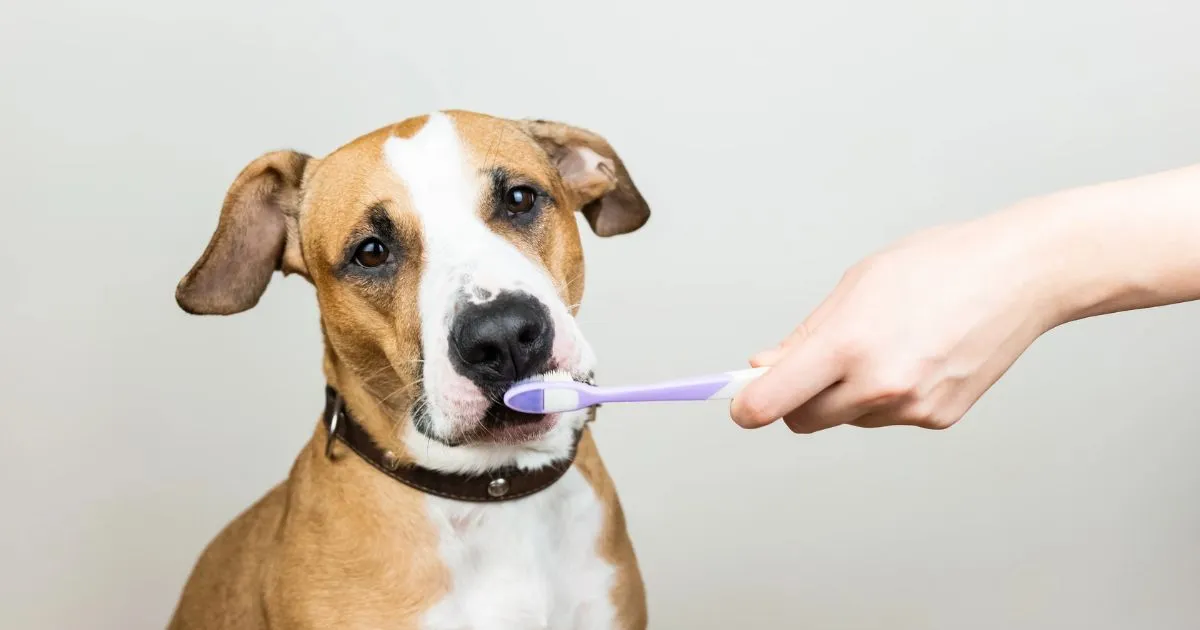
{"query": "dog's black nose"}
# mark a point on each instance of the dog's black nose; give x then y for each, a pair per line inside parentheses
(503, 340)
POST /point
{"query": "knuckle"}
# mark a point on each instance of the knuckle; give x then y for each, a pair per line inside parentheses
(927, 415)
(893, 387)
(803, 331)
(940, 421)
(919, 413)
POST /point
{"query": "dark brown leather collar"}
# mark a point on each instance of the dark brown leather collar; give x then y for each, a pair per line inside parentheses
(503, 484)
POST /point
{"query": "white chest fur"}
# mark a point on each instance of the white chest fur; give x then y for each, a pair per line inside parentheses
(529, 563)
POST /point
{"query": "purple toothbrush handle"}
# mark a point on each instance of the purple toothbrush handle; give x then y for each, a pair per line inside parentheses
(721, 385)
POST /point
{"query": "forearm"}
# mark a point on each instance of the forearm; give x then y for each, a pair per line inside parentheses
(1118, 246)
(917, 332)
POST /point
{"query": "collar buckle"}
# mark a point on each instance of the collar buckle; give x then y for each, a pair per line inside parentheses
(334, 424)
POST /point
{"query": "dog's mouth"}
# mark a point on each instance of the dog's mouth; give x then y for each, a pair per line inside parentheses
(487, 420)
(501, 425)
(498, 425)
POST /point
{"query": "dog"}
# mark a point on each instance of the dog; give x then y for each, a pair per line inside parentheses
(447, 263)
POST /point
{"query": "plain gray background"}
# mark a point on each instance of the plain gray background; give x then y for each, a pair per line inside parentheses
(777, 143)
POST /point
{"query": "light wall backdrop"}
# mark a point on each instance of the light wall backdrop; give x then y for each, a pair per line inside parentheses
(777, 143)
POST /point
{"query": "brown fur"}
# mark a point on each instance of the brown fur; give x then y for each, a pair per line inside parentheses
(338, 545)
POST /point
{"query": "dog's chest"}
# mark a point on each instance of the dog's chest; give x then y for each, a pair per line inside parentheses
(529, 563)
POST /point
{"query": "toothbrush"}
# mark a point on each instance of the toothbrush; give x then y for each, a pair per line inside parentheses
(557, 392)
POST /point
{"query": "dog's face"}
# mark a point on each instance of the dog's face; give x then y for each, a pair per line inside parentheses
(447, 262)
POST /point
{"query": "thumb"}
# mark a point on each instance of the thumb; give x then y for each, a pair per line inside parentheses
(800, 373)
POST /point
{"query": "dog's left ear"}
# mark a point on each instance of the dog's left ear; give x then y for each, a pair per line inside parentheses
(256, 235)
(595, 174)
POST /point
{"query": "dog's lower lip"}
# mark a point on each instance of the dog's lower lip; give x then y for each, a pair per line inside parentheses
(501, 424)
(500, 416)
(519, 432)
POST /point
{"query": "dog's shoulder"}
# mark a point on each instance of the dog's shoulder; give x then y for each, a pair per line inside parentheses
(224, 588)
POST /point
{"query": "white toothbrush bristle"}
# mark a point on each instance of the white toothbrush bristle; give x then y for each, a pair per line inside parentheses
(554, 376)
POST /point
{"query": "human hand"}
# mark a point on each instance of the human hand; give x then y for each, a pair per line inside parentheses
(913, 335)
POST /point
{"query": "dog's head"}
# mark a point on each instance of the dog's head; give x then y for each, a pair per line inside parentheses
(447, 264)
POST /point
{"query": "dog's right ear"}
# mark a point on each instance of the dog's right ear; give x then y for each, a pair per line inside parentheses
(256, 235)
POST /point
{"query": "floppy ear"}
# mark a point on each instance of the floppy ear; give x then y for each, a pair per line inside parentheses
(256, 234)
(593, 171)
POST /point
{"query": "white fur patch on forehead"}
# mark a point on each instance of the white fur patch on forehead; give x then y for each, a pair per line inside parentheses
(435, 169)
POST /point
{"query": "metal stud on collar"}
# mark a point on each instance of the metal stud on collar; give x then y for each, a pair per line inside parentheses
(498, 487)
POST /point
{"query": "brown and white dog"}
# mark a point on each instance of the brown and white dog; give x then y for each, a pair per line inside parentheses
(447, 264)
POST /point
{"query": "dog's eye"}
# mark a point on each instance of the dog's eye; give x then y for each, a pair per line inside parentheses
(520, 199)
(371, 253)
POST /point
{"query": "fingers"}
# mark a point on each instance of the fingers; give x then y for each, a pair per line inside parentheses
(926, 413)
(876, 420)
(802, 372)
(844, 403)
(859, 396)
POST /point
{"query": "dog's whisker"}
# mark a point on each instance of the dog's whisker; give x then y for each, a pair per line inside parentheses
(377, 373)
(576, 278)
(407, 388)
(389, 367)
(417, 413)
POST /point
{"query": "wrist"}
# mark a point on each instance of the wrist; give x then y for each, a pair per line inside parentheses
(1107, 248)
(1046, 246)
(1071, 281)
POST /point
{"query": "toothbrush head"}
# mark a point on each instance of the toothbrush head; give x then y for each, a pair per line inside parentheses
(554, 392)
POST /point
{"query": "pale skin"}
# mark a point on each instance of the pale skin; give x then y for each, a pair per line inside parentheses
(917, 333)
